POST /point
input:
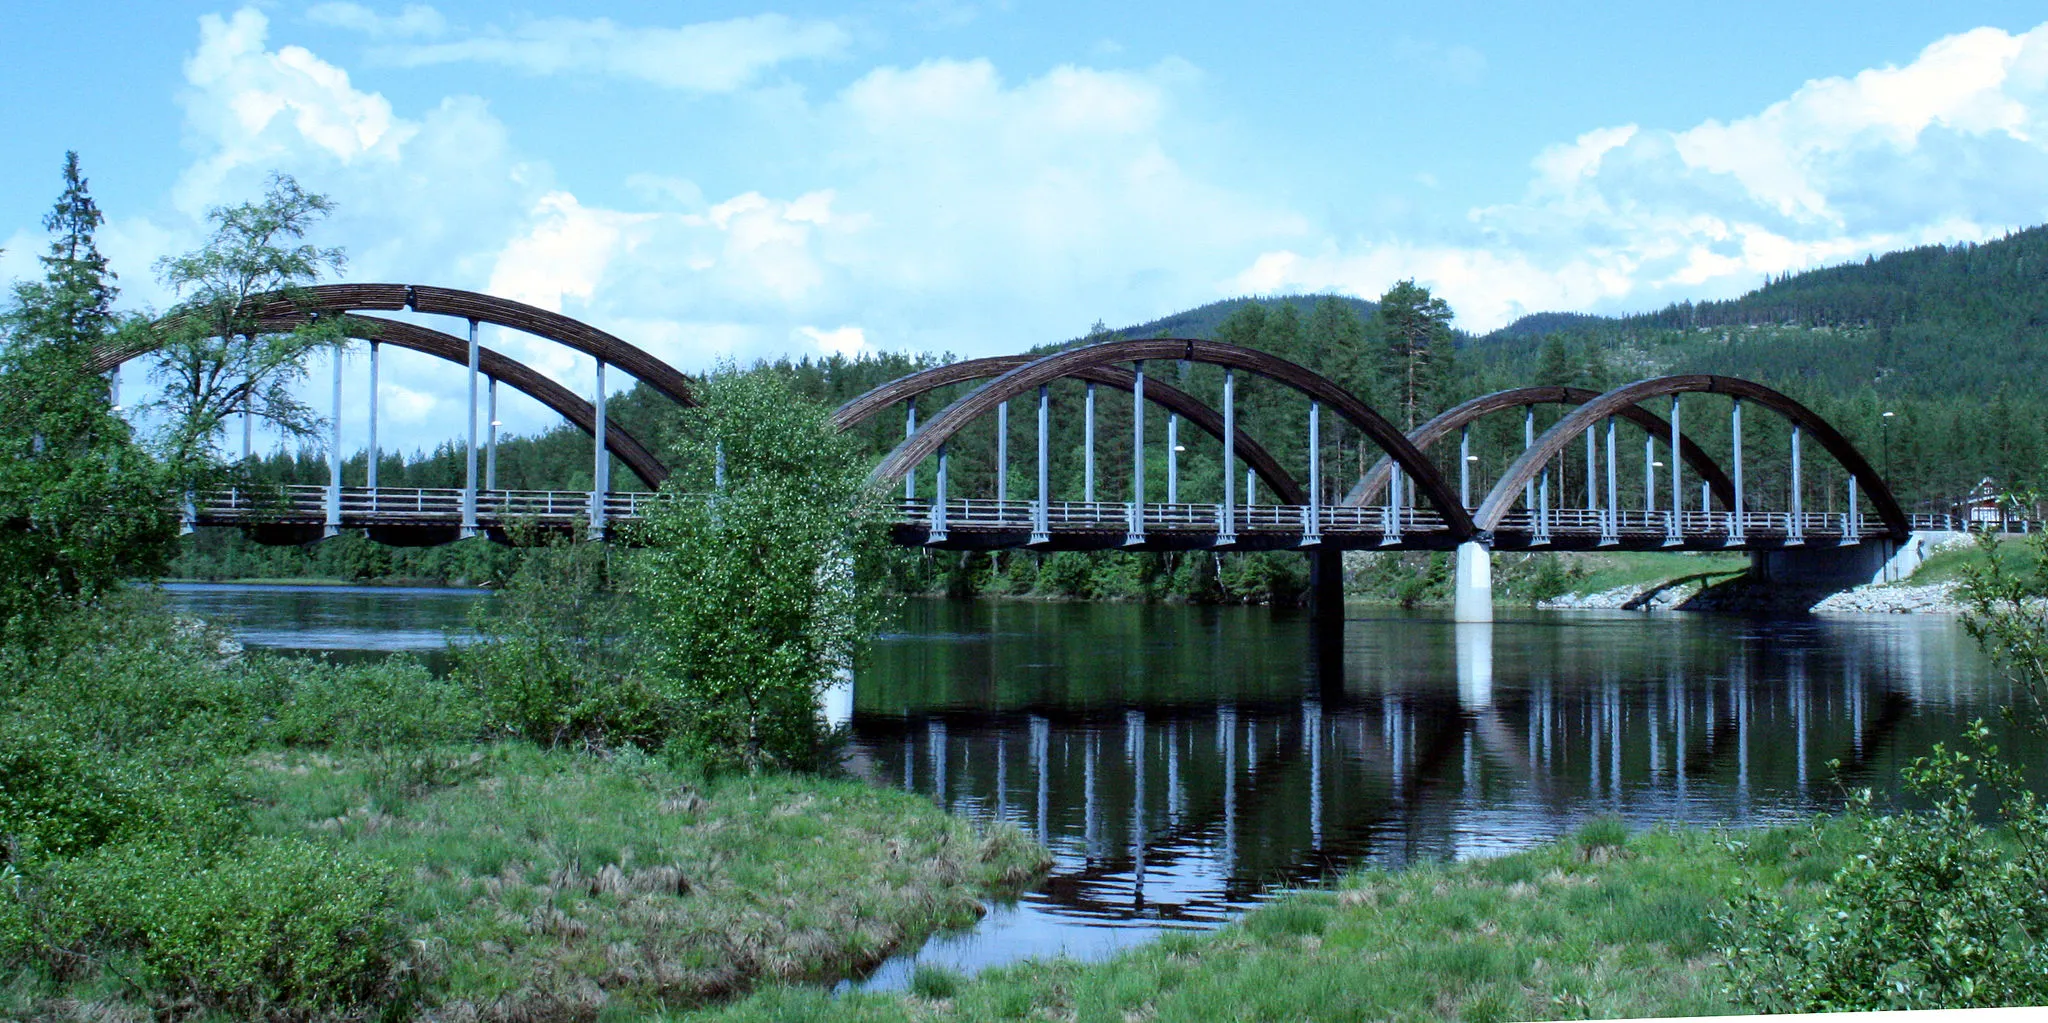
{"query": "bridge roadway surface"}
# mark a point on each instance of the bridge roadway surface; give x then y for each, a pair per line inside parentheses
(396, 514)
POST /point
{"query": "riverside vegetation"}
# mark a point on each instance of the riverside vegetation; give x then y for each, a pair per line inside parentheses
(611, 807)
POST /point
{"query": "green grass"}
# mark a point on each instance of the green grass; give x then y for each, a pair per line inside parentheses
(567, 886)
(1953, 564)
(1643, 569)
(1603, 925)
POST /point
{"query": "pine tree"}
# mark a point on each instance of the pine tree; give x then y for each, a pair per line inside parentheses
(1415, 328)
(83, 506)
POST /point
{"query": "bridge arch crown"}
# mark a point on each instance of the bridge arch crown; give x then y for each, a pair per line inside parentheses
(1553, 442)
(910, 387)
(1045, 369)
(1466, 413)
(349, 300)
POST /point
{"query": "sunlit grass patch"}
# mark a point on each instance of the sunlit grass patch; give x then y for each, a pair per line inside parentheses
(1602, 924)
(562, 885)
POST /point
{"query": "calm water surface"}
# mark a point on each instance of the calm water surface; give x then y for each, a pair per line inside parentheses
(1185, 763)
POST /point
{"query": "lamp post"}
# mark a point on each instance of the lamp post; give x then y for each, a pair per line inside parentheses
(1886, 419)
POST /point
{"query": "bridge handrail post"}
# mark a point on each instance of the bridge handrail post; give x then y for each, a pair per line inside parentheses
(936, 528)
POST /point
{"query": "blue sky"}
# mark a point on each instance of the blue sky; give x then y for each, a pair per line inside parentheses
(730, 181)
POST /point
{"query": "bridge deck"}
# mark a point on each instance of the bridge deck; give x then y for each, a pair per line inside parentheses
(1074, 525)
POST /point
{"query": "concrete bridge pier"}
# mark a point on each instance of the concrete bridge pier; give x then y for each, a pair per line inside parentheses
(1326, 618)
(1472, 584)
(1876, 560)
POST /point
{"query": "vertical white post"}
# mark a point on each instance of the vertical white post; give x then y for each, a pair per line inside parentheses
(1136, 532)
(937, 533)
(491, 439)
(1313, 529)
(248, 417)
(1173, 458)
(1853, 526)
(469, 479)
(1592, 472)
(334, 457)
(1040, 532)
(1465, 468)
(1735, 430)
(604, 458)
(1675, 533)
(1797, 529)
(1088, 446)
(1226, 526)
(371, 476)
(909, 428)
(1529, 441)
(1613, 520)
(1002, 452)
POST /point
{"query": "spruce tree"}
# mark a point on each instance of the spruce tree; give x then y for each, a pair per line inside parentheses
(1415, 329)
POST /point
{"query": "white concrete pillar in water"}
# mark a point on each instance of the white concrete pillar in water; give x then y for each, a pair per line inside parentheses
(837, 700)
(1474, 642)
(1473, 584)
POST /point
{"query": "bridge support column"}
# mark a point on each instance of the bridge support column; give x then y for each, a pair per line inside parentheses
(1226, 513)
(370, 478)
(1135, 533)
(469, 478)
(1042, 508)
(1472, 587)
(598, 476)
(333, 526)
(490, 440)
(1326, 619)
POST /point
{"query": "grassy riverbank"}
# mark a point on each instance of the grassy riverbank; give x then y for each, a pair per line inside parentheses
(1603, 925)
(197, 833)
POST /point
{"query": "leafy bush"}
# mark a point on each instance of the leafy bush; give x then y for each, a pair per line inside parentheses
(371, 706)
(1936, 912)
(59, 797)
(553, 663)
(269, 928)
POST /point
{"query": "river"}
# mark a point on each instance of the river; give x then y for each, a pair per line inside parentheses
(1184, 763)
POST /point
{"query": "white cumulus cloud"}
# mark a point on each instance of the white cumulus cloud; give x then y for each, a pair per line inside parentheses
(1946, 148)
(412, 21)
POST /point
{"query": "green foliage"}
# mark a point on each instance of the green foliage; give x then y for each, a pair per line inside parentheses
(554, 658)
(1415, 328)
(379, 705)
(82, 507)
(1938, 910)
(755, 596)
(219, 353)
(263, 929)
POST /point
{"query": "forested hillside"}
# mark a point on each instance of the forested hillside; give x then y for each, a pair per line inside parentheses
(1952, 339)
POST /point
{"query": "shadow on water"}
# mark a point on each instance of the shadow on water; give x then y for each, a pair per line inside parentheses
(1184, 763)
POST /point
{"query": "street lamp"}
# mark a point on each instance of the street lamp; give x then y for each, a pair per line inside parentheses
(1886, 419)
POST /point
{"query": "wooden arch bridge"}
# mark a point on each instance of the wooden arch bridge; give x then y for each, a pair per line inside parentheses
(1418, 496)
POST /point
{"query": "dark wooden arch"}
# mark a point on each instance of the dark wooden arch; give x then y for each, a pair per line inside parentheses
(1501, 499)
(502, 312)
(1452, 419)
(523, 378)
(1045, 369)
(866, 406)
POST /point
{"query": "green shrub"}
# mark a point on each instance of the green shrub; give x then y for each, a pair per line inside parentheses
(282, 924)
(377, 705)
(1936, 912)
(269, 928)
(552, 662)
(59, 797)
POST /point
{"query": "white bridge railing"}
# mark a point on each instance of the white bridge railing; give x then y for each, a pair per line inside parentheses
(1379, 524)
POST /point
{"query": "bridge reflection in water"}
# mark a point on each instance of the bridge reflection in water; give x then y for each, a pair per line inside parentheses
(1182, 764)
